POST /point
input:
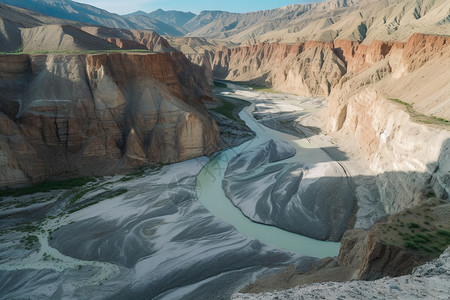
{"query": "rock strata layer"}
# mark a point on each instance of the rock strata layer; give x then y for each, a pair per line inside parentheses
(99, 114)
(390, 99)
(322, 68)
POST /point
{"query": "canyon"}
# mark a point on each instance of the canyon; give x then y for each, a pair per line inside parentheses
(99, 114)
(363, 85)
(327, 121)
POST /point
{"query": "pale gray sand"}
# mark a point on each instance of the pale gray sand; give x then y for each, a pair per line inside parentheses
(154, 241)
(301, 117)
(289, 182)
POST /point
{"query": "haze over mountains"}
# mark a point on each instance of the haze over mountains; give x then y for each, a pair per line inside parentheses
(356, 20)
(83, 13)
(171, 17)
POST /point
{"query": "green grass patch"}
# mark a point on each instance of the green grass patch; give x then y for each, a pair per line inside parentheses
(410, 245)
(426, 248)
(420, 118)
(79, 195)
(220, 84)
(419, 240)
(17, 51)
(225, 109)
(423, 236)
(138, 173)
(440, 119)
(117, 193)
(26, 228)
(443, 232)
(264, 89)
(108, 196)
(29, 241)
(83, 206)
(231, 107)
(399, 102)
(47, 187)
(126, 178)
(413, 225)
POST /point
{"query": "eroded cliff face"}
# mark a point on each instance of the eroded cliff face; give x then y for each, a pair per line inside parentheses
(307, 69)
(311, 69)
(403, 142)
(99, 114)
(395, 110)
(130, 39)
(319, 68)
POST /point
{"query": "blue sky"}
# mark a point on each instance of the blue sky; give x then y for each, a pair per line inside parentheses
(195, 6)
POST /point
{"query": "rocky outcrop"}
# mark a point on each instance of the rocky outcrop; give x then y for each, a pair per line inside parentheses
(61, 38)
(99, 114)
(318, 68)
(408, 157)
(393, 247)
(131, 39)
(307, 69)
(404, 138)
(430, 280)
(361, 80)
(397, 245)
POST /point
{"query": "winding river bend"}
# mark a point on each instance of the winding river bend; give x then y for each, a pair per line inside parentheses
(154, 240)
(210, 192)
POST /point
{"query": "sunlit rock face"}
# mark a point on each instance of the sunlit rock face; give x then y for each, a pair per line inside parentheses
(100, 114)
(407, 149)
(393, 107)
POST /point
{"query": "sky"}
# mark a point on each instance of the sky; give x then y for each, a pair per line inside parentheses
(195, 6)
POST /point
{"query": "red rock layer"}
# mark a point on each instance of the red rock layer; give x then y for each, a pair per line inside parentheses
(280, 65)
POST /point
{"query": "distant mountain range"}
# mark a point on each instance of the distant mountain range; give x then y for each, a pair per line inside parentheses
(79, 12)
(356, 20)
(172, 17)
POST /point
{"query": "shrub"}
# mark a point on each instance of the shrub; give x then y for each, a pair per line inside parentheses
(419, 240)
(48, 186)
(423, 236)
(428, 249)
(411, 245)
(413, 225)
(443, 232)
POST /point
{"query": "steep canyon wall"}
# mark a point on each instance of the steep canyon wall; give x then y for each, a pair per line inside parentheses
(390, 98)
(71, 115)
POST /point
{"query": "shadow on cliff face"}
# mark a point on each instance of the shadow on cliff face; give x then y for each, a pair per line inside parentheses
(66, 116)
(393, 247)
(388, 192)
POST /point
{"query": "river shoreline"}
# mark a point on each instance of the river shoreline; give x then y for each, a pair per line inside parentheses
(307, 154)
(145, 235)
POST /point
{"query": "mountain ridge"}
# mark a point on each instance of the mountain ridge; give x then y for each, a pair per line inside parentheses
(84, 13)
(172, 17)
